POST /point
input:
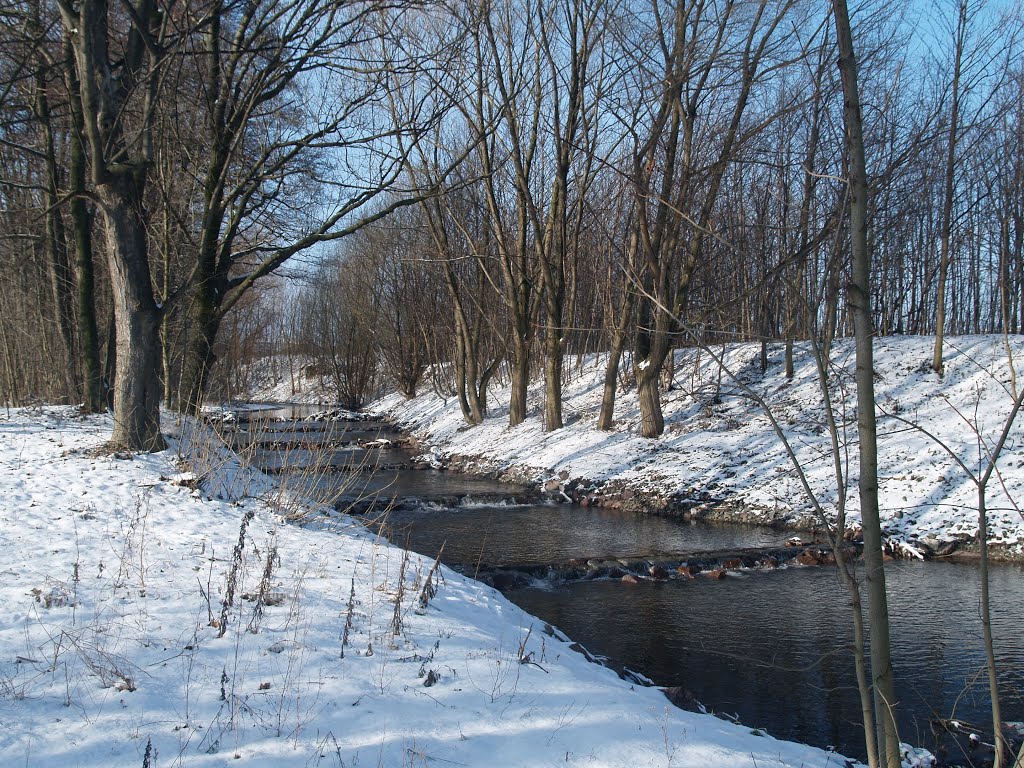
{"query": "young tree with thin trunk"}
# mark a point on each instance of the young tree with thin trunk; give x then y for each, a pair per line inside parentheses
(980, 474)
(859, 298)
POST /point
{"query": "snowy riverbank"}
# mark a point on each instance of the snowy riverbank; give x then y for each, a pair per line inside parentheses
(150, 622)
(719, 456)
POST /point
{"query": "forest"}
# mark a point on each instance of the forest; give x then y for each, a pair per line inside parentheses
(444, 194)
(378, 187)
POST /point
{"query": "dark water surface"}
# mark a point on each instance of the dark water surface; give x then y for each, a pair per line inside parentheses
(770, 647)
(553, 533)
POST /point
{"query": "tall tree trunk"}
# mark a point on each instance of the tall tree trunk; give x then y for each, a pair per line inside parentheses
(553, 377)
(652, 420)
(209, 285)
(949, 189)
(199, 356)
(88, 333)
(55, 247)
(10, 374)
(846, 576)
(137, 380)
(606, 417)
(859, 297)
(796, 308)
(520, 362)
(119, 166)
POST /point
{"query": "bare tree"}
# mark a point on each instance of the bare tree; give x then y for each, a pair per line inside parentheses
(860, 302)
(676, 193)
(548, 128)
(269, 189)
(970, 65)
(988, 457)
(338, 321)
(117, 91)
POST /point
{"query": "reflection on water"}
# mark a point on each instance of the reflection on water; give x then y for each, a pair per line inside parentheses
(772, 647)
(548, 533)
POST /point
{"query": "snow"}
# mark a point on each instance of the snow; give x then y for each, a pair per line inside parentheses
(289, 380)
(170, 610)
(719, 444)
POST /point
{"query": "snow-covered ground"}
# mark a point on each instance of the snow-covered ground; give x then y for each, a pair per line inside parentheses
(724, 448)
(147, 622)
(287, 379)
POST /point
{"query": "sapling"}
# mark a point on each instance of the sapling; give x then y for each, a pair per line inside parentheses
(988, 457)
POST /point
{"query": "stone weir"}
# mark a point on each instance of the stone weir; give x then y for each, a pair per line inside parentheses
(370, 503)
(656, 567)
(338, 469)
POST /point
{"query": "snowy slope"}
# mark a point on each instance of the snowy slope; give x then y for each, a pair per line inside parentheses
(149, 623)
(724, 448)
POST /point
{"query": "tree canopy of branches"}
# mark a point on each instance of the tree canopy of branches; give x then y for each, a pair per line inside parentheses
(482, 191)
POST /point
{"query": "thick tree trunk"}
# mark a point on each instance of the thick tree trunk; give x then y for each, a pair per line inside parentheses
(199, 360)
(520, 380)
(652, 421)
(651, 350)
(137, 318)
(606, 418)
(859, 298)
(204, 325)
(653, 344)
(119, 166)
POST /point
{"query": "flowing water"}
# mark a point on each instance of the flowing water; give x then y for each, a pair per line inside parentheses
(770, 647)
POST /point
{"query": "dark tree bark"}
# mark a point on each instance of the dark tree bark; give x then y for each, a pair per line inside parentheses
(620, 303)
(251, 71)
(81, 227)
(663, 175)
(109, 94)
(136, 385)
(55, 242)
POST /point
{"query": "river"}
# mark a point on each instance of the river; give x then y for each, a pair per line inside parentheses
(768, 647)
